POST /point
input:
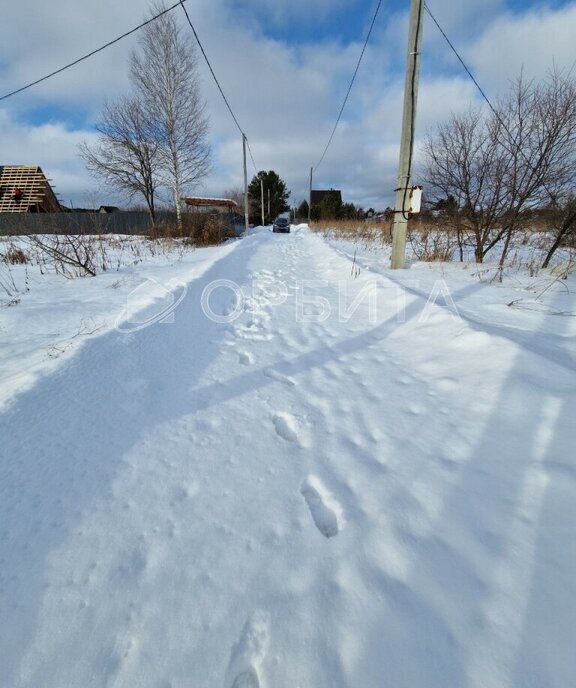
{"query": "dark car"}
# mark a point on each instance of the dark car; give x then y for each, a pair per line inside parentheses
(281, 224)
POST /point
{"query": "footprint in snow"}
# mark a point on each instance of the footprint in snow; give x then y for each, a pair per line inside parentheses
(246, 358)
(447, 384)
(251, 332)
(325, 510)
(247, 679)
(286, 426)
(249, 652)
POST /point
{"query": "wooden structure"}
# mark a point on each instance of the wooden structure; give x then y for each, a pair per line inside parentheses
(225, 209)
(211, 203)
(25, 189)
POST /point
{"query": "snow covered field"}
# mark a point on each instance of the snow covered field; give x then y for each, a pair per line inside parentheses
(293, 469)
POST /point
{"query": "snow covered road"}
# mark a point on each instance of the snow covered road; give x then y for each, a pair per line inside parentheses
(311, 478)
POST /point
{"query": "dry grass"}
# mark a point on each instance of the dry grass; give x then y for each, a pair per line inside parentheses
(198, 229)
(14, 256)
(213, 232)
(354, 230)
(433, 246)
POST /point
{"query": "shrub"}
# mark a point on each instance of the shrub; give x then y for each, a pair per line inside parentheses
(433, 246)
(15, 256)
(213, 232)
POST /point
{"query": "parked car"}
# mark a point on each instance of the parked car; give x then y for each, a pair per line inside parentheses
(281, 224)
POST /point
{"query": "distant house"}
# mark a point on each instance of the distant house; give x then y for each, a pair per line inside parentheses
(25, 189)
(108, 209)
(316, 196)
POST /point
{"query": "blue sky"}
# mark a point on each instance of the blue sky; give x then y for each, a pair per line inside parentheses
(341, 23)
(285, 67)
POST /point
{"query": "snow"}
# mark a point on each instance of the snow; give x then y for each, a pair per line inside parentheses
(58, 315)
(333, 480)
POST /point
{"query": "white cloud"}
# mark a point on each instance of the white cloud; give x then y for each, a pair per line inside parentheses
(461, 19)
(532, 42)
(51, 146)
(38, 38)
(286, 96)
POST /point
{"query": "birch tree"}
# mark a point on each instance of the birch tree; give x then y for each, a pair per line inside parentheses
(164, 74)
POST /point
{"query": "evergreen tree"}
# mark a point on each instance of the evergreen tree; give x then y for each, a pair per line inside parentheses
(279, 195)
(331, 205)
(447, 205)
(315, 213)
(349, 211)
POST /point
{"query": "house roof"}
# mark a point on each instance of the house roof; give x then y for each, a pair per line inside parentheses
(24, 189)
(228, 202)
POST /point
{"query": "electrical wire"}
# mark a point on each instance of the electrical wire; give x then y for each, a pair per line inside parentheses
(251, 156)
(85, 57)
(484, 96)
(350, 86)
(462, 63)
(217, 82)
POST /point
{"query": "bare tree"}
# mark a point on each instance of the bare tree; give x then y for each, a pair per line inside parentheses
(563, 223)
(236, 194)
(164, 74)
(501, 164)
(126, 154)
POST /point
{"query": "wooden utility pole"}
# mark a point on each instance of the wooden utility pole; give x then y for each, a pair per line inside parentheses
(262, 198)
(402, 201)
(310, 196)
(246, 221)
(269, 205)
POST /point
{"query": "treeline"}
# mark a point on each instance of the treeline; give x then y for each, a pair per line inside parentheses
(331, 207)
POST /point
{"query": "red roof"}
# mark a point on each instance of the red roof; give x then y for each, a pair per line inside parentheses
(211, 201)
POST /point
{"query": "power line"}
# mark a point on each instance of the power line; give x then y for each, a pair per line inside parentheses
(210, 67)
(350, 86)
(216, 81)
(85, 57)
(251, 156)
(483, 94)
(462, 62)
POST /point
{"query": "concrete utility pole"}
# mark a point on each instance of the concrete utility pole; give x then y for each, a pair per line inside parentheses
(401, 203)
(246, 221)
(262, 198)
(310, 196)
